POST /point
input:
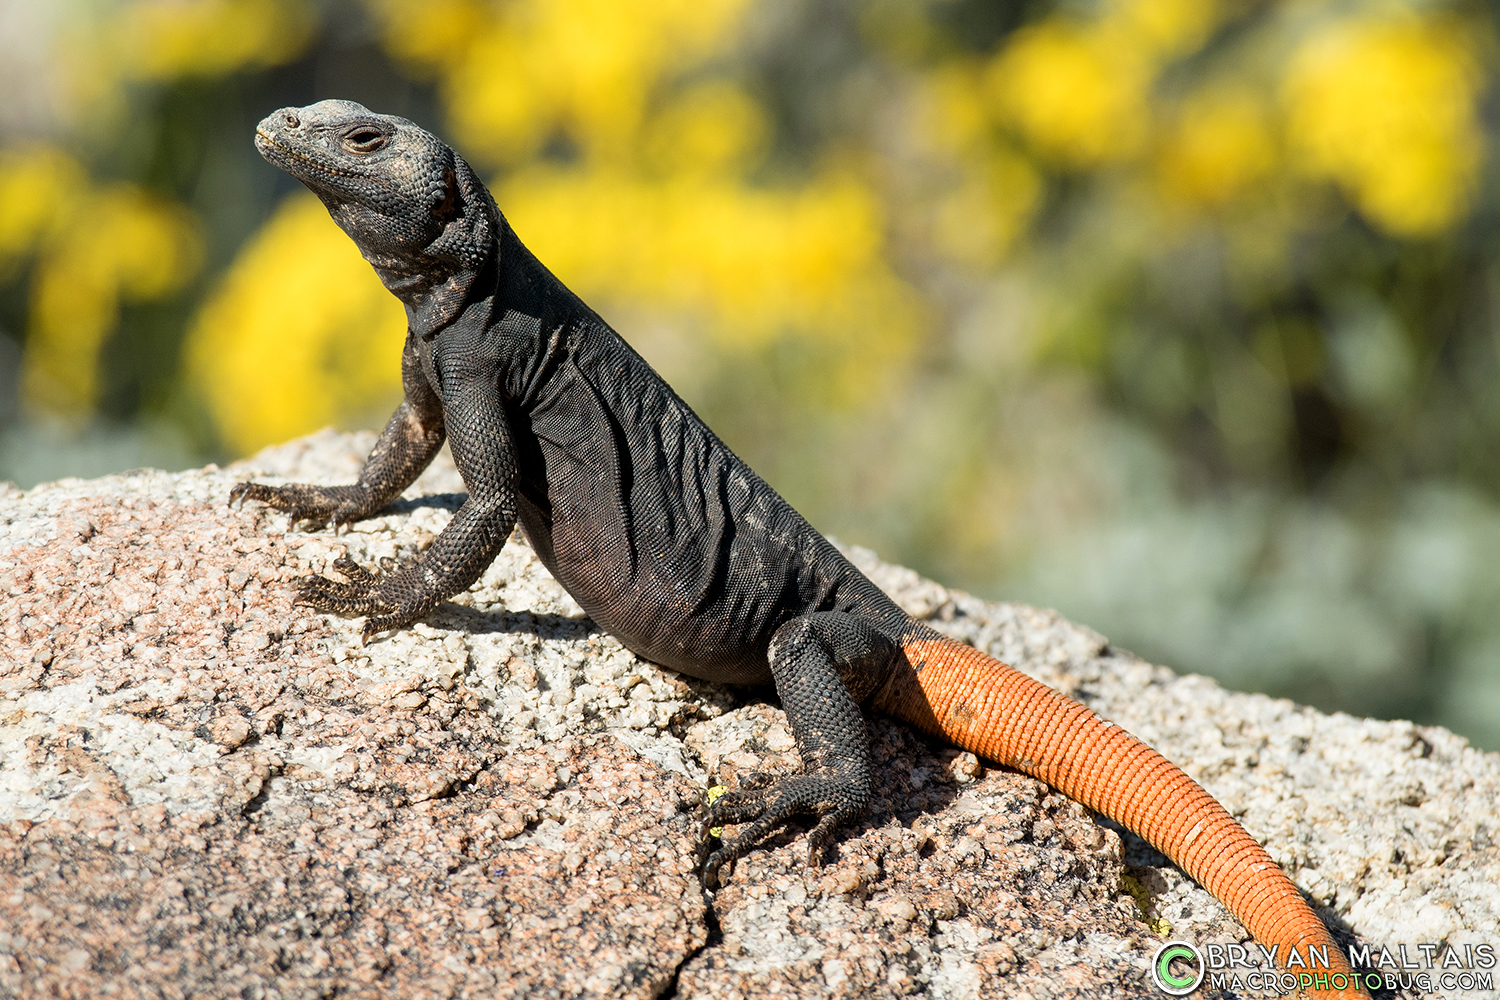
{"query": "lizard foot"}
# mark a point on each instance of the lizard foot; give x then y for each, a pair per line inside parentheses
(363, 592)
(356, 594)
(833, 799)
(314, 506)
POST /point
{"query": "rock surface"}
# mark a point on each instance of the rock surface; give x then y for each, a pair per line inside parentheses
(208, 792)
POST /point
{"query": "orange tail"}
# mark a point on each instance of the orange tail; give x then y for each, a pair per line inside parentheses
(984, 706)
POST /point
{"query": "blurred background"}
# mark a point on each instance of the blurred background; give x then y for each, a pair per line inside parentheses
(1179, 316)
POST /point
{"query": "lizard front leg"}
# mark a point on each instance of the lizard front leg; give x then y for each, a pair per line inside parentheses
(824, 665)
(408, 444)
(480, 437)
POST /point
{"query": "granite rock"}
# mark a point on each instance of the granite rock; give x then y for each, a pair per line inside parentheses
(206, 791)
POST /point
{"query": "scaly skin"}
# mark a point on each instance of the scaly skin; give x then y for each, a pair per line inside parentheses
(982, 705)
(668, 540)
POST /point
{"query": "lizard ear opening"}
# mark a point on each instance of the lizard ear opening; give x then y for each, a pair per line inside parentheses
(467, 216)
(447, 208)
(470, 226)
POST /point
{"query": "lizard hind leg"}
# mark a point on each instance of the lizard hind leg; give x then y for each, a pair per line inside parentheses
(824, 665)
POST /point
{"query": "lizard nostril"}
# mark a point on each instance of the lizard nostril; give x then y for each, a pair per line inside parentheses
(292, 120)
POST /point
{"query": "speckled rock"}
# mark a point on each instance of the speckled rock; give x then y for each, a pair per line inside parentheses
(206, 791)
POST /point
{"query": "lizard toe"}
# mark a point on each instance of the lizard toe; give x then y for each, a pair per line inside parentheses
(739, 806)
(383, 623)
(832, 799)
(300, 518)
(338, 596)
(353, 571)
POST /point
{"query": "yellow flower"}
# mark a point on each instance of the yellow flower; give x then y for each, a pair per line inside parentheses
(121, 244)
(1385, 107)
(710, 128)
(1220, 145)
(751, 263)
(1160, 28)
(1073, 94)
(427, 35)
(163, 39)
(653, 214)
(39, 188)
(300, 334)
(585, 68)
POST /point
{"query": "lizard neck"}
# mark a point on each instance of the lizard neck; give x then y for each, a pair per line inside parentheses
(432, 300)
(437, 282)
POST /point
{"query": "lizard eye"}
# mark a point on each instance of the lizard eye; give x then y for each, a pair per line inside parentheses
(365, 140)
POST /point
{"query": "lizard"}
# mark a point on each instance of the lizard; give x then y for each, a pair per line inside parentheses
(670, 542)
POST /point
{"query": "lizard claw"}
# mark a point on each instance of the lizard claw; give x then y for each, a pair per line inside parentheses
(241, 492)
(361, 592)
(833, 799)
(354, 571)
(356, 594)
(381, 623)
(313, 506)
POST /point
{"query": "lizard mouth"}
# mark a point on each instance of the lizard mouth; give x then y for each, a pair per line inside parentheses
(284, 155)
(264, 139)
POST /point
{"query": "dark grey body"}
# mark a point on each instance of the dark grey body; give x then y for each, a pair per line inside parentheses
(665, 537)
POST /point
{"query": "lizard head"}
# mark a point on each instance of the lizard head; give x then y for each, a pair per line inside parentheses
(413, 207)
